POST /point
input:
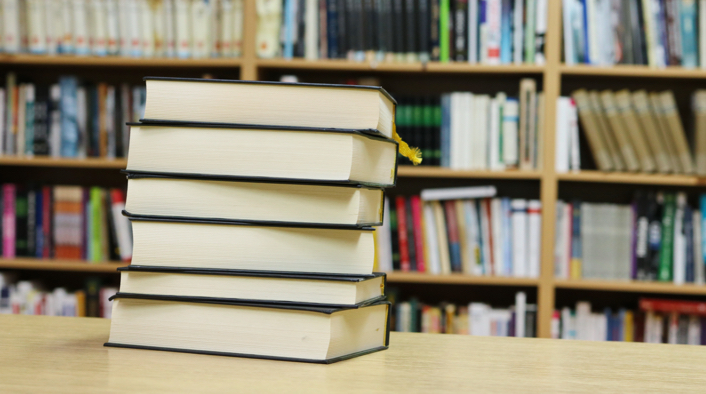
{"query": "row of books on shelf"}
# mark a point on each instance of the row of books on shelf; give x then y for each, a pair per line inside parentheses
(656, 321)
(31, 297)
(480, 132)
(461, 230)
(475, 31)
(519, 320)
(630, 131)
(68, 119)
(132, 28)
(654, 33)
(658, 237)
(69, 222)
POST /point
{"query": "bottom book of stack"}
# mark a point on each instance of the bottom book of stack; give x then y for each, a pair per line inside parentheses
(283, 316)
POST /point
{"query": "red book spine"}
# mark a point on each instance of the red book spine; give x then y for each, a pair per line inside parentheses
(46, 221)
(418, 232)
(402, 232)
(682, 307)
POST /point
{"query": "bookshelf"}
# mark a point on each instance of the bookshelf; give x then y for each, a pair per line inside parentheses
(549, 76)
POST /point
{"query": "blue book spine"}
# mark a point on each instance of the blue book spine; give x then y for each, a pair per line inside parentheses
(586, 38)
(688, 33)
(445, 130)
(289, 13)
(506, 33)
(69, 123)
(38, 224)
(689, 234)
(29, 123)
(610, 324)
(479, 235)
(507, 235)
(332, 29)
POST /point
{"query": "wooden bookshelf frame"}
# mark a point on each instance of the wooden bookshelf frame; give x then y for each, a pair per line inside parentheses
(551, 74)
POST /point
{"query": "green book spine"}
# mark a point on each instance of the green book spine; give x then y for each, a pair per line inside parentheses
(667, 245)
(428, 127)
(530, 11)
(418, 127)
(444, 31)
(96, 228)
(437, 134)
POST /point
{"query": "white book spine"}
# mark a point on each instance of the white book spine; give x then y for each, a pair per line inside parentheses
(567, 9)
(52, 19)
(534, 237)
(698, 249)
(82, 121)
(237, 27)
(311, 32)
(11, 25)
(134, 27)
(214, 31)
(112, 29)
(494, 136)
(496, 216)
(430, 237)
(458, 193)
(124, 43)
(226, 35)
(473, 236)
(473, 31)
(54, 123)
(559, 269)
(573, 124)
(456, 131)
(583, 321)
(593, 33)
(24, 31)
(567, 326)
(182, 10)
(383, 238)
(200, 16)
(520, 310)
(541, 31)
(110, 122)
(488, 258)
(169, 33)
(479, 319)
(679, 253)
(518, 33)
(519, 238)
(493, 20)
(66, 39)
(80, 25)
(98, 27)
(562, 134)
(481, 130)
(694, 330)
(511, 119)
(122, 231)
(37, 26)
(146, 28)
(159, 27)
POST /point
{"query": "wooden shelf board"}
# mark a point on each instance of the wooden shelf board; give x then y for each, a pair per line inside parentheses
(460, 279)
(441, 172)
(631, 286)
(635, 178)
(116, 61)
(625, 70)
(59, 265)
(91, 162)
(432, 67)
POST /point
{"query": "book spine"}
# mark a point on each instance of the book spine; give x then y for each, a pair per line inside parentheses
(667, 242)
(435, 32)
(418, 233)
(671, 306)
(405, 265)
(8, 220)
(453, 236)
(689, 238)
(530, 30)
(518, 31)
(46, 222)
(493, 18)
(444, 39)
(688, 26)
(460, 30)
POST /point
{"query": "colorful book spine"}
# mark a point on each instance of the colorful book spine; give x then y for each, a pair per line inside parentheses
(453, 236)
(575, 271)
(689, 51)
(667, 242)
(8, 220)
(444, 34)
(405, 265)
(417, 219)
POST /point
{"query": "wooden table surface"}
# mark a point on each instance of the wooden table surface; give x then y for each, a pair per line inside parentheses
(66, 355)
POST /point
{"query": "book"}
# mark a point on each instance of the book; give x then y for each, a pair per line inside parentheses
(251, 246)
(239, 146)
(245, 286)
(166, 196)
(130, 328)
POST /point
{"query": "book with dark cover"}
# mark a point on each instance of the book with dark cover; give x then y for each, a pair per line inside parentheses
(437, 132)
(382, 16)
(689, 235)
(625, 31)
(93, 286)
(642, 224)
(667, 250)
(673, 30)
(38, 223)
(21, 211)
(418, 124)
(31, 222)
(356, 30)
(434, 12)
(398, 21)
(460, 29)
(47, 218)
(451, 31)
(332, 29)
(113, 248)
(264, 274)
(93, 132)
(290, 307)
(428, 131)
(402, 233)
(411, 47)
(662, 35)
(452, 231)
(342, 13)
(300, 29)
(395, 241)
(41, 121)
(637, 31)
(370, 27)
(654, 236)
(423, 30)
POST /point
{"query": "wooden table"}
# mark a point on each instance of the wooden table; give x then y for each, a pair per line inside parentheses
(66, 355)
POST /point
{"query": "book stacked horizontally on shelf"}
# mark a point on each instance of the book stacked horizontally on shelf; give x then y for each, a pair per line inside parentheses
(71, 118)
(656, 321)
(130, 28)
(474, 31)
(626, 131)
(64, 222)
(252, 205)
(462, 230)
(476, 318)
(658, 237)
(25, 297)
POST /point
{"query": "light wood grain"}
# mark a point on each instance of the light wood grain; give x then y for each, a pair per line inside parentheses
(631, 286)
(117, 61)
(461, 279)
(431, 67)
(633, 178)
(631, 70)
(59, 265)
(442, 172)
(65, 355)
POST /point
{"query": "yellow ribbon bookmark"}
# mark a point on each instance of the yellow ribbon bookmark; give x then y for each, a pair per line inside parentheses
(412, 153)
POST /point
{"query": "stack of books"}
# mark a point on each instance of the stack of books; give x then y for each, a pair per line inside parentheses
(252, 205)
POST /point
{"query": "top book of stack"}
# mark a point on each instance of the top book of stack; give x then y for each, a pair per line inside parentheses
(310, 132)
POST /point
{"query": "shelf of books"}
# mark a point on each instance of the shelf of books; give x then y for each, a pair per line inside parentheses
(21, 263)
